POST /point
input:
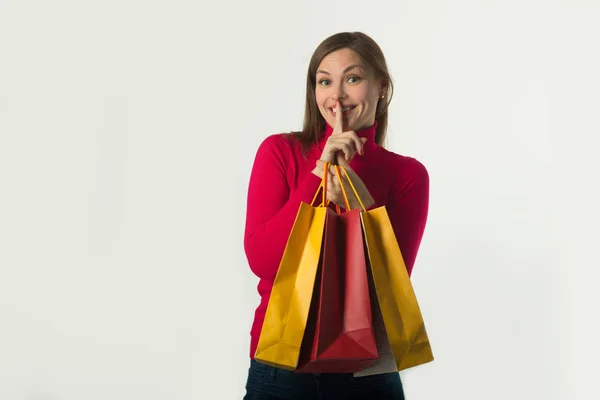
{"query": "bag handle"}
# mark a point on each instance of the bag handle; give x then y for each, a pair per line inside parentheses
(337, 168)
(325, 202)
(337, 173)
(323, 185)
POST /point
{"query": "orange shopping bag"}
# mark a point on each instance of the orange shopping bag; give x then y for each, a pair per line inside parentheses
(287, 311)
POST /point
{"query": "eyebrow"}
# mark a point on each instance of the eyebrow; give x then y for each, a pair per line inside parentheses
(346, 70)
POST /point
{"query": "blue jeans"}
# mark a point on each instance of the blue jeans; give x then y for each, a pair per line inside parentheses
(270, 383)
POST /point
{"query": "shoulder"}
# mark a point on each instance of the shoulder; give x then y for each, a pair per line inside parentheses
(407, 169)
(406, 164)
(278, 148)
(278, 142)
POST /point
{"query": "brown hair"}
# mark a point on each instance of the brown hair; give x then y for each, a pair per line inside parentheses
(371, 54)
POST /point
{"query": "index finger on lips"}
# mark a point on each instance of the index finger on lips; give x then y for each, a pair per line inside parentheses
(339, 118)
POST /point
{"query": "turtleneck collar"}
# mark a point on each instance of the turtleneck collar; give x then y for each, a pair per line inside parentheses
(368, 133)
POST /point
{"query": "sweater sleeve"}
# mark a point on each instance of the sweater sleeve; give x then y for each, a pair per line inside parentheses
(271, 205)
(408, 209)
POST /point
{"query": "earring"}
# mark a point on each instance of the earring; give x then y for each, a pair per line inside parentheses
(382, 96)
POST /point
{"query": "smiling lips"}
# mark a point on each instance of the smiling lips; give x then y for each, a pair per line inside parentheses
(345, 109)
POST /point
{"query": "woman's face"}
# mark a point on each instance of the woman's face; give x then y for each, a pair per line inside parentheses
(342, 75)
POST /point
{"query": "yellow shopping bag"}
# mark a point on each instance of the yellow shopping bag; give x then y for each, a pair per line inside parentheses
(402, 316)
(287, 311)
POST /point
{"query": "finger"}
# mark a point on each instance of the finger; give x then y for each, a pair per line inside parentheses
(358, 142)
(339, 118)
(348, 150)
(343, 144)
(353, 142)
(347, 154)
(343, 151)
(339, 157)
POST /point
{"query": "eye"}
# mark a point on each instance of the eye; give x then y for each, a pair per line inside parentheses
(355, 78)
(324, 82)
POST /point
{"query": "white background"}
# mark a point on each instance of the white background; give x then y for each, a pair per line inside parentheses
(127, 134)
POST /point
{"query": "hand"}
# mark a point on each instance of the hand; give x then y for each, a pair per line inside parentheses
(347, 143)
(334, 190)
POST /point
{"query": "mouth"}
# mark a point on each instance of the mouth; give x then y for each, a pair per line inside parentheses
(345, 109)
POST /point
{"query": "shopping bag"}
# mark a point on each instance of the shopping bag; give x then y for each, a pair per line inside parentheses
(287, 310)
(340, 337)
(386, 361)
(404, 324)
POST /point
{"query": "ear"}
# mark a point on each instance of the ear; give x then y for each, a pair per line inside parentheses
(383, 89)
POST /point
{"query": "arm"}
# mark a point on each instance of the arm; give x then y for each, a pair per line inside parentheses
(272, 207)
(408, 209)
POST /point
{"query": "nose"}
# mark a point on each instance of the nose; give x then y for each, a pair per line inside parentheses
(339, 93)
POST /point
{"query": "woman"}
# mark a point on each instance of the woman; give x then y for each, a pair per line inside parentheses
(347, 97)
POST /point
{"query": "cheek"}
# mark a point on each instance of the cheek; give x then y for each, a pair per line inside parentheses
(321, 99)
(363, 95)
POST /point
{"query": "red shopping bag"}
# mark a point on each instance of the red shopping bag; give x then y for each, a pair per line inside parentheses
(339, 336)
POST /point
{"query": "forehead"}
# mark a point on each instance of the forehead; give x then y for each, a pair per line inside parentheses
(338, 60)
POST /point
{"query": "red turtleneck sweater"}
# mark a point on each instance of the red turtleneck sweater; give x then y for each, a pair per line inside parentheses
(281, 179)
